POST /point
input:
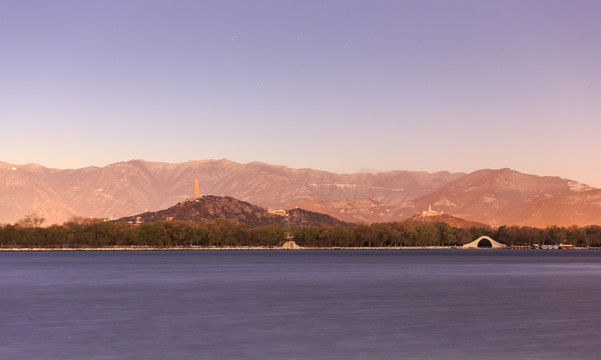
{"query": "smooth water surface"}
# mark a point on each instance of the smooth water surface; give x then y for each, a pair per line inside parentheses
(355, 304)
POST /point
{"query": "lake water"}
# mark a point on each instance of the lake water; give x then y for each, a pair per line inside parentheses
(339, 304)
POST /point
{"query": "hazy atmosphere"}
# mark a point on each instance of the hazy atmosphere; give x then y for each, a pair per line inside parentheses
(342, 86)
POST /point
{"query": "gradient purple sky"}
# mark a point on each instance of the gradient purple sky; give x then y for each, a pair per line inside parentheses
(334, 85)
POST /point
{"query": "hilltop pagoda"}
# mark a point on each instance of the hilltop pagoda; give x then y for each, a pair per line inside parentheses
(196, 190)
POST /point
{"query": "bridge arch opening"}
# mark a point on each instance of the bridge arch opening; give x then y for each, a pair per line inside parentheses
(484, 243)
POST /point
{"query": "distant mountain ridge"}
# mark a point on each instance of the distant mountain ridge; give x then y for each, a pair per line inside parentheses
(136, 186)
(489, 196)
(582, 208)
(485, 194)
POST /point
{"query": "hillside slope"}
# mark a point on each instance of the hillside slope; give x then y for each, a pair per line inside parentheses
(210, 207)
(482, 195)
(574, 209)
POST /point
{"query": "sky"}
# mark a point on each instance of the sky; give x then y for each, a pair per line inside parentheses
(342, 86)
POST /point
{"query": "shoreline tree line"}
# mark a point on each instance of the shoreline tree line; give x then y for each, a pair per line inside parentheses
(97, 233)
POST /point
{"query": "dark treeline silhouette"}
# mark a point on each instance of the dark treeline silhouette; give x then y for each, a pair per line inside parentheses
(97, 233)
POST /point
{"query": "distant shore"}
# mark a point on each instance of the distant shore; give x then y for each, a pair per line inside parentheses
(194, 248)
(246, 248)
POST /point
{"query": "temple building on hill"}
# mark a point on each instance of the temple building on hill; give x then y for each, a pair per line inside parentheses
(280, 212)
(430, 212)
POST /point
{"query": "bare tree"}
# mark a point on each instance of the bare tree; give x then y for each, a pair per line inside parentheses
(31, 221)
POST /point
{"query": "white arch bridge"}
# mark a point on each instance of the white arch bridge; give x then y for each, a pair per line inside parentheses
(484, 242)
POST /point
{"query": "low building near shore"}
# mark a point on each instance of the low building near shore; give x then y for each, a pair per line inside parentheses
(280, 212)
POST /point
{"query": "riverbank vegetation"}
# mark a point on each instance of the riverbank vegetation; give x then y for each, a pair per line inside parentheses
(97, 233)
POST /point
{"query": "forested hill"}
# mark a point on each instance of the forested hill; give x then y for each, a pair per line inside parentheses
(450, 220)
(210, 207)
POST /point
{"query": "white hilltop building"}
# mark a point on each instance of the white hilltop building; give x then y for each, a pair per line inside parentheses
(430, 212)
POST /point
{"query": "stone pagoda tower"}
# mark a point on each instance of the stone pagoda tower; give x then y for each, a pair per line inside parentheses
(196, 189)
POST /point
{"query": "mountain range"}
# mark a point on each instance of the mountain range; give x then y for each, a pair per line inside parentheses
(494, 197)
